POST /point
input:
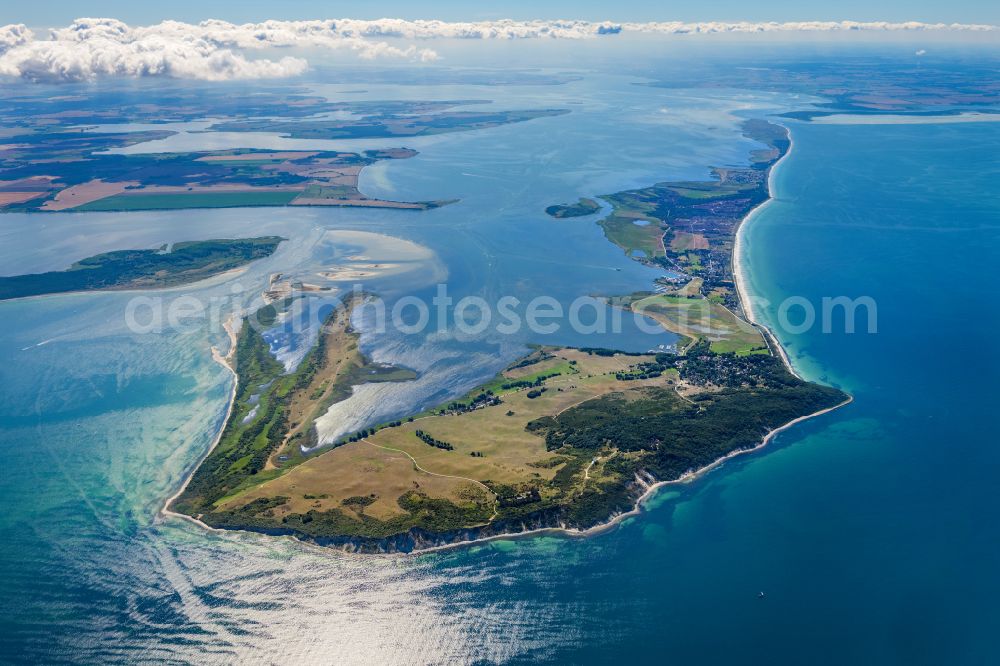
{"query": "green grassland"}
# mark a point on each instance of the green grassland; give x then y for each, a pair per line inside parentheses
(507, 382)
(178, 200)
(639, 241)
(696, 317)
(329, 192)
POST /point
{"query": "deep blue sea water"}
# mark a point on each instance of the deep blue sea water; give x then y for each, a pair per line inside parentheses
(871, 530)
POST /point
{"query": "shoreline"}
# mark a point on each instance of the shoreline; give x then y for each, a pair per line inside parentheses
(226, 362)
(651, 490)
(739, 276)
(230, 273)
(569, 532)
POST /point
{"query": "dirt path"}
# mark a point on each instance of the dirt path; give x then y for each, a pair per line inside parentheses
(496, 501)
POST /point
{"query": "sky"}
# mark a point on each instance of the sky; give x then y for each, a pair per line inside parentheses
(252, 39)
(50, 13)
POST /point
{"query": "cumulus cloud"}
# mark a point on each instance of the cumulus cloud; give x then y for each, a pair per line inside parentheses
(14, 35)
(210, 51)
(216, 50)
(274, 34)
(105, 47)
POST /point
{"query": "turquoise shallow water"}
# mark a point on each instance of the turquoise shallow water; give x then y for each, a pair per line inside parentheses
(870, 529)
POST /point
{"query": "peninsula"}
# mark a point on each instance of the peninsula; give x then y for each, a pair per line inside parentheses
(564, 438)
(688, 228)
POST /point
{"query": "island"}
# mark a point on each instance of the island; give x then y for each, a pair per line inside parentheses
(166, 266)
(566, 439)
(582, 207)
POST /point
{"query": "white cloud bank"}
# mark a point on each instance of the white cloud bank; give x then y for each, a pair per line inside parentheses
(215, 50)
(210, 51)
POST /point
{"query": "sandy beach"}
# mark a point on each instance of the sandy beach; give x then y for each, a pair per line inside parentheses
(739, 272)
(226, 361)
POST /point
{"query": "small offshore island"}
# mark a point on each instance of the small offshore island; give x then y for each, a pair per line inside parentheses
(582, 207)
(565, 438)
(167, 266)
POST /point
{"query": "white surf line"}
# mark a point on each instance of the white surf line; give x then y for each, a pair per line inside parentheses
(39, 344)
(226, 362)
(496, 500)
(742, 291)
